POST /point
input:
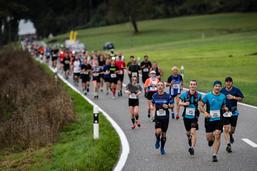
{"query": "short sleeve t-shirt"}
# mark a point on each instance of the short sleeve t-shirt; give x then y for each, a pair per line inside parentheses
(214, 105)
(158, 101)
(232, 104)
(190, 111)
(176, 87)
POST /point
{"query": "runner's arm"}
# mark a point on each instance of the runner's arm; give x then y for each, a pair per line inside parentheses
(202, 110)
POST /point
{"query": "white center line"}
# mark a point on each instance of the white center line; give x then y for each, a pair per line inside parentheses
(251, 143)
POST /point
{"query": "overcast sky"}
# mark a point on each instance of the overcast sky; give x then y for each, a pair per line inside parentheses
(26, 27)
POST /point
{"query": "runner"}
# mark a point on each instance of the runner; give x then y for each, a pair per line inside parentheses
(113, 80)
(175, 82)
(54, 57)
(158, 71)
(150, 88)
(145, 66)
(96, 71)
(101, 64)
(66, 66)
(162, 101)
(120, 75)
(76, 70)
(85, 72)
(107, 76)
(233, 95)
(133, 90)
(190, 100)
(130, 60)
(133, 69)
(215, 106)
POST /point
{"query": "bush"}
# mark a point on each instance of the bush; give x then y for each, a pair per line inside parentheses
(33, 107)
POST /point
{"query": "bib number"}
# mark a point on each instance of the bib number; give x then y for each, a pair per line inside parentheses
(113, 75)
(96, 74)
(134, 74)
(215, 114)
(85, 72)
(176, 86)
(190, 111)
(227, 114)
(161, 112)
(145, 70)
(132, 96)
(152, 88)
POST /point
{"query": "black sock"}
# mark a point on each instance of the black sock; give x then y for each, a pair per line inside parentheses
(133, 120)
(137, 117)
(157, 136)
(163, 141)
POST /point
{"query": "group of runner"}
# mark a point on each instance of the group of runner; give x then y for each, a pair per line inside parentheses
(219, 107)
(164, 99)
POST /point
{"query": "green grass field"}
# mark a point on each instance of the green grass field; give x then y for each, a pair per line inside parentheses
(75, 149)
(210, 47)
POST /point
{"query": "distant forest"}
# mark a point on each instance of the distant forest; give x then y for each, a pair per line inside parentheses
(51, 16)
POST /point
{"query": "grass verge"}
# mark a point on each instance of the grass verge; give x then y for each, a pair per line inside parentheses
(75, 149)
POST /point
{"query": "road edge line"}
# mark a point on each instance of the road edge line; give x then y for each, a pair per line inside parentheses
(124, 141)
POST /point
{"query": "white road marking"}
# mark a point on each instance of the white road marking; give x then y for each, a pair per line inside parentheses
(124, 141)
(249, 142)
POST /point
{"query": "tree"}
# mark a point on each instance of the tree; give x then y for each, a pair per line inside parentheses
(132, 10)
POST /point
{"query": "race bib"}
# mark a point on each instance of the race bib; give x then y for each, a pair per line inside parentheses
(176, 86)
(95, 74)
(190, 111)
(227, 114)
(215, 114)
(161, 112)
(134, 74)
(85, 72)
(113, 75)
(152, 88)
(132, 96)
(145, 70)
(67, 62)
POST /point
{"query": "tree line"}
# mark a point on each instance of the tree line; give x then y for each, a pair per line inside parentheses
(50, 16)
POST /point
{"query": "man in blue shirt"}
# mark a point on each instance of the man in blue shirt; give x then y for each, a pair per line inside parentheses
(175, 84)
(162, 101)
(215, 107)
(190, 100)
(233, 95)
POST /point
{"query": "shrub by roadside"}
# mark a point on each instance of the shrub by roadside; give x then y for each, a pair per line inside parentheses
(33, 108)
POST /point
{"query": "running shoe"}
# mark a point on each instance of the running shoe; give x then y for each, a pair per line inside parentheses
(191, 151)
(133, 126)
(138, 123)
(149, 112)
(157, 144)
(162, 151)
(177, 117)
(214, 158)
(172, 115)
(228, 148)
(210, 143)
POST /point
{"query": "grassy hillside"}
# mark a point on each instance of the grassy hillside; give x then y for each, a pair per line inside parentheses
(210, 46)
(75, 148)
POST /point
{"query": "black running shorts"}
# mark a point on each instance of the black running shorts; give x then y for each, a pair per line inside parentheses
(162, 123)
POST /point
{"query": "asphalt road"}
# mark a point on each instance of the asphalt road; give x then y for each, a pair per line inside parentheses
(144, 157)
